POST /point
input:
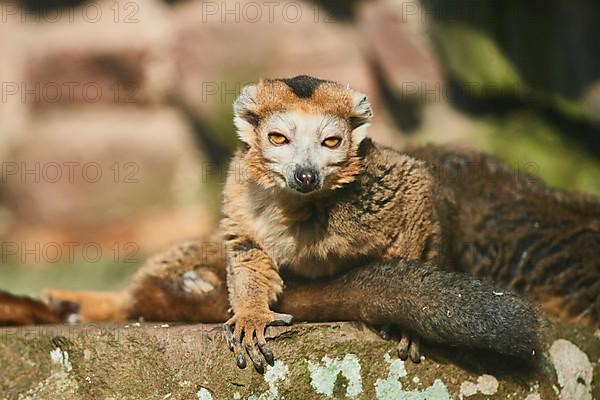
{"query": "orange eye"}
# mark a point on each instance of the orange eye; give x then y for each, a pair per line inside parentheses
(332, 142)
(277, 139)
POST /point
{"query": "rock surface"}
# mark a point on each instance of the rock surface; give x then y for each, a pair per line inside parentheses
(339, 360)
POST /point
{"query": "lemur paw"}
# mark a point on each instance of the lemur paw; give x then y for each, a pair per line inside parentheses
(246, 331)
(409, 346)
(66, 310)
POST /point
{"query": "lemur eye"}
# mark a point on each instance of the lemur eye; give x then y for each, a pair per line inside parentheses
(332, 142)
(277, 138)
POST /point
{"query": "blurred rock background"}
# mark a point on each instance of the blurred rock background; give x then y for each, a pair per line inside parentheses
(115, 116)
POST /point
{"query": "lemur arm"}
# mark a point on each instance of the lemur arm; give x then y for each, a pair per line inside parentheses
(253, 283)
(252, 277)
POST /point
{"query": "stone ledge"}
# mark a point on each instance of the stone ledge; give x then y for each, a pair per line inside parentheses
(340, 360)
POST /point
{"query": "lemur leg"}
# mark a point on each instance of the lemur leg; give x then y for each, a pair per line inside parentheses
(90, 305)
(181, 284)
(186, 282)
(22, 310)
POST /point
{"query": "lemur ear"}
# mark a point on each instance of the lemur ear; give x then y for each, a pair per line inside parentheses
(245, 117)
(361, 115)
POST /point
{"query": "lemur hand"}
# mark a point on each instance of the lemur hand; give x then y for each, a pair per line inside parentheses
(246, 330)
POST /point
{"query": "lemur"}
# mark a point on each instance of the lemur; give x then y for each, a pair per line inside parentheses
(322, 223)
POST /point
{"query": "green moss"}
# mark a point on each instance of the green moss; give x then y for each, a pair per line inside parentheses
(340, 386)
(472, 57)
(525, 140)
(219, 120)
(150, 363)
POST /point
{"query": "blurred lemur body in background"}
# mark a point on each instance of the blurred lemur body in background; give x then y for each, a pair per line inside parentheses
(323, 224)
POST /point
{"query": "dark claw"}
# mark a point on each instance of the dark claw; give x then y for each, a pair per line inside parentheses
(403, 347)
(415, 357)
(255, 357)
(241, 361)
(414, 352)
(268, 354)
(252, 350)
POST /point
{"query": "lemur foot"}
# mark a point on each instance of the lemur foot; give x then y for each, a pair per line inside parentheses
(193, 284)
(66, 310)
(408, 346)
(246, 331)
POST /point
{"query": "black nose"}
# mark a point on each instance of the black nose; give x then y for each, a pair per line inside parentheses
(306, 179)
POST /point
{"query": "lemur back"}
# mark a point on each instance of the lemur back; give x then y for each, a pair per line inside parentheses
(508, 226)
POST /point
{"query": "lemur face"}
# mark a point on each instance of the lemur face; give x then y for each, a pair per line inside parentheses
(303, 133)
(303, 149)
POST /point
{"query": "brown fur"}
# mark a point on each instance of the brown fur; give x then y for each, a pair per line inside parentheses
(380, 207)
(395, 209)
(157, 293)
(91, 305)
(328, 97)
(257, 102)
(368, 240)
(506, 225)
(153, 293)
(15, 310)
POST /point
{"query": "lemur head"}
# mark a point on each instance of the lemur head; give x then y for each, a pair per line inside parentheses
(302, 133)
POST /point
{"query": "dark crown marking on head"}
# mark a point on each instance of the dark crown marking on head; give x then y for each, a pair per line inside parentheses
(303, 86)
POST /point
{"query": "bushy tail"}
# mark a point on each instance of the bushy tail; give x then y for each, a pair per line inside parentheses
(447, 308)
